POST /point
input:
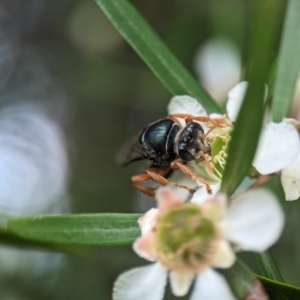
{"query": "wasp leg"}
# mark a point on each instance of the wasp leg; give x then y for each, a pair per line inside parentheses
(156, 174)
(177, 164)
(190, 118)
(217, 122)
(208, 165)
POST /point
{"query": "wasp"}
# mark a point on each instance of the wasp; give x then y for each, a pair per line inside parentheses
(169, 145)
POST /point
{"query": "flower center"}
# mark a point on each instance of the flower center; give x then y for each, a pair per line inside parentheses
(219, 149)
(186, 239)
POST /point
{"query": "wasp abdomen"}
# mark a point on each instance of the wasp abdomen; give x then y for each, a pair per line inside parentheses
(158, 141)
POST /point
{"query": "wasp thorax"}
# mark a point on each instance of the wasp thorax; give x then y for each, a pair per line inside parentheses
(186, 239)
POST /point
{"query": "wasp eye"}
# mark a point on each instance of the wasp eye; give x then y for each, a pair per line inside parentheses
(185, 155)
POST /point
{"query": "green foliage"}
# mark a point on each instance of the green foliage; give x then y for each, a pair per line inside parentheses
(241, 280)
(80, 230)
(288, 62)
(279, 291)
(122, 229)
(247, 127)
(267, 265)
(153, 51)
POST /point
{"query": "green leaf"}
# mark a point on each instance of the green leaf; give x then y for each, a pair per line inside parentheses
(279, 291)
(268, 266)
(248, 124)
(78, 229)
(288, 62)
(245, 285)
(154, 52)
(243, 282)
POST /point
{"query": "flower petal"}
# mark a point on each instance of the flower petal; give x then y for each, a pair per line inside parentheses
(235, 100)
(148, 220)
(147, 283)
(225, 257)
(290, 180)
(215, 207)
(244, 185)
(201, 195)
(254, 220)
(167, 199)
(145, 246)
(181, 282)
(211, 285)
(218, 65)
(186, 105)
(180, 178)
(279, 146)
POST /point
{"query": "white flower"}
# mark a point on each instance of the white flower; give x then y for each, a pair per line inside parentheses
(278, 147)
(188, 240)
(186, 105)
(235, 99)
(218, 66)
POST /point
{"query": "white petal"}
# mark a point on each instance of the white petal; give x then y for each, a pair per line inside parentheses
(245, 184)
(147, 283)
(186, 105)
(148, 220)
(225, 257)
(145, 246)
(235, 100)
(179, 177)
(215, 116)
(218, 65)
(166, 198)
(210, 285)
(181, 282)
(278, 147)
(201, 195)
(254, 220)
(290, 180)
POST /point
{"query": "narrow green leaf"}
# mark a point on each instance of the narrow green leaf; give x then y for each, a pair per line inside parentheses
(288, 62)
(154, 52)
(279, 290)
(243, 282)
(78, 229)
(244, 138)
(268, 266)
(248, 124)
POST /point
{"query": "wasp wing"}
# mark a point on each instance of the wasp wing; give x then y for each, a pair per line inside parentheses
(130, 151)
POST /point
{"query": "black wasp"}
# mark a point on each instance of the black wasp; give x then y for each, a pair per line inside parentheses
(168, 146)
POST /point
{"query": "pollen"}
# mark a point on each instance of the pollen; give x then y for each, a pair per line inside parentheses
(219, 148)
(186, 238)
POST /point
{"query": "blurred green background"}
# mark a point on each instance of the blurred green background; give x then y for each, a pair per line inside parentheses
(101, 93)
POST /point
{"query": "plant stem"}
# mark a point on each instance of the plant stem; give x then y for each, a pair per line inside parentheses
(268, 266)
